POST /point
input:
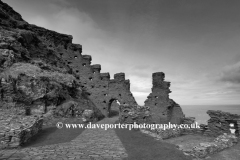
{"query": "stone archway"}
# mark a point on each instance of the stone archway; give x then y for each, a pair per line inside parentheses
(113, 107)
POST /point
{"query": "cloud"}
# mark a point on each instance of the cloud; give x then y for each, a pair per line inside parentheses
(140, 87)
(139, 53)
(62, 2)
(140, 71)
(231, 73)
(140, 97)
(95, 41)
(68, 19)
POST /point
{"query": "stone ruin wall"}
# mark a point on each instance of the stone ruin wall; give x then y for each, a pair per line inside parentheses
(219, 122)
(39, 44)
(57, 50)
(101, 90)
(163, 108)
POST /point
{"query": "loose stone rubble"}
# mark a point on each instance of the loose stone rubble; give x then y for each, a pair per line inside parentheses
(190, 121)
(154, 135)
(87, 115)
(16, 130)
(165, 132)
(134, 113)
(220, 143)
(201, 150)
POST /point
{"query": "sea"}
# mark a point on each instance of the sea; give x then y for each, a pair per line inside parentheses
(200, 111)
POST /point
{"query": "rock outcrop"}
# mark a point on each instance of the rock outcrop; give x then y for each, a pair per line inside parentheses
(16, 130)
(163, 108)
(40, 67)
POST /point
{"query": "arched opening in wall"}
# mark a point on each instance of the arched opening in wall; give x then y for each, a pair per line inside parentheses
(233, 126)
(113, 107)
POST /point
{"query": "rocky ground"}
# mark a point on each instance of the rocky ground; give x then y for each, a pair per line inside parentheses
(189, 141)
(232, 153)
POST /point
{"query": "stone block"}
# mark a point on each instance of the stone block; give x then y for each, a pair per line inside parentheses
(119, 76)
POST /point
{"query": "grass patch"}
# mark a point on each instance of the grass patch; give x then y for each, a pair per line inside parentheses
(143, 147)
(189, 141)
(34, 71)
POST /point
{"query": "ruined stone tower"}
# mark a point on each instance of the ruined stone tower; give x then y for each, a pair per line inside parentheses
(163, 109)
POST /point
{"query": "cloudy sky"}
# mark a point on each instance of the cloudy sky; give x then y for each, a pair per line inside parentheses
(196, 43)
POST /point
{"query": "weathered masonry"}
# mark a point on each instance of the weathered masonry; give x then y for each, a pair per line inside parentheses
(163, 108)
(102, 90)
